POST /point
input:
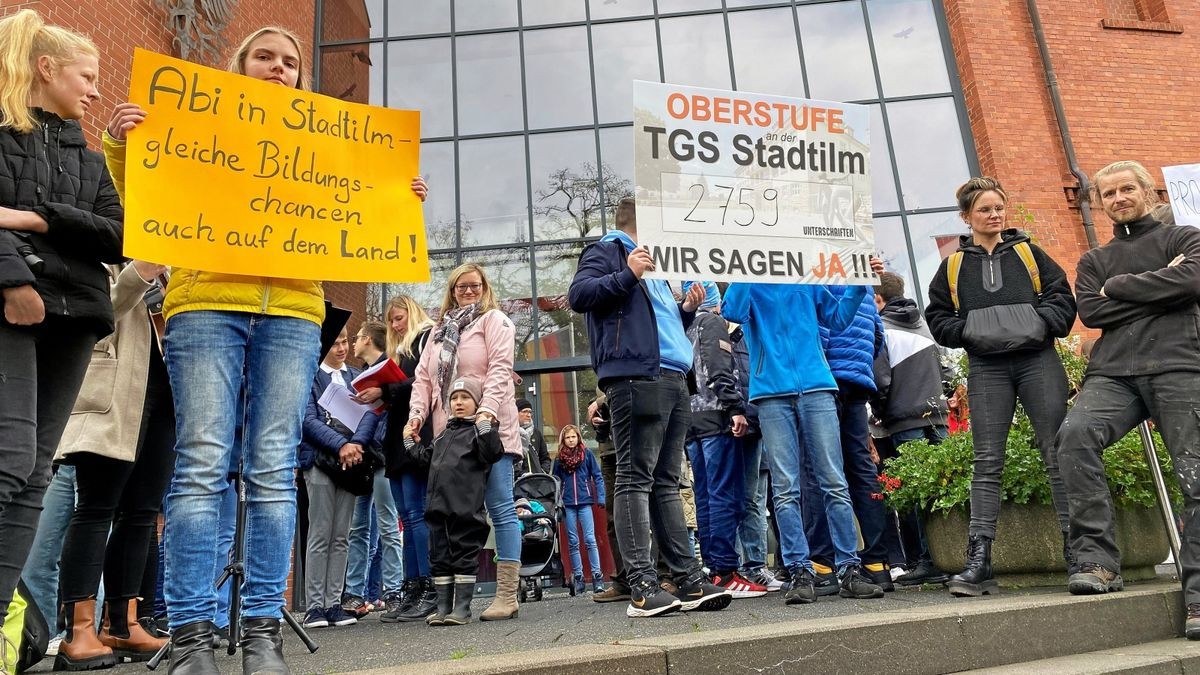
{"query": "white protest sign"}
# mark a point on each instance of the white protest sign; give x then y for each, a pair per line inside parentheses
(734, 186)
(1183, 189)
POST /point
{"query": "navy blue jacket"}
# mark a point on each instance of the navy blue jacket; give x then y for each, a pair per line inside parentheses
(851, 351)
(577, 485)
(620, 319)
(319, 436)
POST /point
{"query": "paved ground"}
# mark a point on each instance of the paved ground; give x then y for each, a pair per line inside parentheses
(556, 620)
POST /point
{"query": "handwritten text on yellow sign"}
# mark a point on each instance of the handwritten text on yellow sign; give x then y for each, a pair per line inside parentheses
(237, 175)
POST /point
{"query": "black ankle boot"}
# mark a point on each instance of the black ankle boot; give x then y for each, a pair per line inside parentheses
(192, 650)
(424, 602)
(1069, 555)
(976, 578)
(262, 647)
(444, 587)
(464, 592)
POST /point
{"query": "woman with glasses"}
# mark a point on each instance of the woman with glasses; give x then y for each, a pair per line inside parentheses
(1004, 300)
(475, 339)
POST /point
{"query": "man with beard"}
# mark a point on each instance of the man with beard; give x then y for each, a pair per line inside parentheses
(1140, 290)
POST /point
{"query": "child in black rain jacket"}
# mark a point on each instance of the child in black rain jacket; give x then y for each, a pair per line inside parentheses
(458, 462)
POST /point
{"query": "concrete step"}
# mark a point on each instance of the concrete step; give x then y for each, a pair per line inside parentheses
(1163, 657)
(1009, 629)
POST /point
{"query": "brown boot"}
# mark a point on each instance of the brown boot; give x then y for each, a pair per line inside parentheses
(504, 606)
(80, 649)
(124, 635)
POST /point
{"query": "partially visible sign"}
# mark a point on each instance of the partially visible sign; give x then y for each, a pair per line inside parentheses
(733, 186)
(1183, 189)
(237, 175)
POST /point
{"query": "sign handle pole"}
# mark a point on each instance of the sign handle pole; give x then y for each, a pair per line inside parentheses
(1164, 498)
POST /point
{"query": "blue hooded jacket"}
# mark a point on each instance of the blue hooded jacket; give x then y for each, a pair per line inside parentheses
(780, 323)
(851, 351)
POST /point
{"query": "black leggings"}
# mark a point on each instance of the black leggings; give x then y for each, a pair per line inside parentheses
(124, 495)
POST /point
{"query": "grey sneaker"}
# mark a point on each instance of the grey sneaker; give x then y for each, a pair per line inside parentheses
(1094, 579)
(1192, 628)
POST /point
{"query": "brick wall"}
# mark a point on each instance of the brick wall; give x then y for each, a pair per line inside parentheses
(1126, 90)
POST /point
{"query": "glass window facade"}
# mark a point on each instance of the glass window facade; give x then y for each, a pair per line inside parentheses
(527, 124)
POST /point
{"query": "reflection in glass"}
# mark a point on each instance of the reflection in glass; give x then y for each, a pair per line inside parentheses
(892, 248)
(908, 46)
(671, 6)
(567, 201)
(883, 179)
(419, 78)
(561, 332)
(437, 166)
(694, 51)
(557, 80)
(929, 151)
(375, 78)
(431, 293)
(509, 272)
(343, 20)
(749, 3)
(608, 9)
(493, 191)
(616, 154)
(836, 52)
(483, 14)
(489, 83)
(623, 52)
(765, 56)
(346, 72)
(563, 398)
(536, 12)
(934, 236)
(418, 17)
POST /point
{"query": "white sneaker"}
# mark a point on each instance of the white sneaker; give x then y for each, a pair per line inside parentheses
(897, 572)
(52, 646)
(763, 577)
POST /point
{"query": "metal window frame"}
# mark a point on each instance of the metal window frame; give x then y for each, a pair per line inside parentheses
(955, 93)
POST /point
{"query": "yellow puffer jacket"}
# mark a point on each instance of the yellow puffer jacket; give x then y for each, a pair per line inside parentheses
(192, 290)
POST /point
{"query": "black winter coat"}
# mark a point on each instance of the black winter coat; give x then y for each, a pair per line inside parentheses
(997, 285)
(459, 462)
(51, 172)
(397, 395)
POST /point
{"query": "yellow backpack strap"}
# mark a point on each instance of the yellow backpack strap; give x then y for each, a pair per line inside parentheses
(1026, 253)
(953, 266)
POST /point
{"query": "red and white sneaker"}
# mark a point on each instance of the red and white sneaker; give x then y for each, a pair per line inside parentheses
(738, 585)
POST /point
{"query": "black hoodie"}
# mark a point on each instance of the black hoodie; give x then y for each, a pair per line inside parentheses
(909, 373)
(1148, 312)
(998, 283)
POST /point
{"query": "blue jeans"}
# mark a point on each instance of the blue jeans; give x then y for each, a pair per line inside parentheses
(408, 493)
(41, 568)
(862, 479)
(718, 484)
(387, 521)
(498, 498)
(212, 356)
(576, 516)
(752, 530)
(801, 430)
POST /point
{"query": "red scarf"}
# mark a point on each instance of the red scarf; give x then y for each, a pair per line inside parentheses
(570, 458)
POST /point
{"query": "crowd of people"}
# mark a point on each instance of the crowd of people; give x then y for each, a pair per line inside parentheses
(129, 391)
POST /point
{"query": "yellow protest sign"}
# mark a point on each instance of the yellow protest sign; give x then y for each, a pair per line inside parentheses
(237, 175)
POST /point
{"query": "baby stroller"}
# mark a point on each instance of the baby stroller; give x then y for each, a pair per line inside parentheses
(538, 500)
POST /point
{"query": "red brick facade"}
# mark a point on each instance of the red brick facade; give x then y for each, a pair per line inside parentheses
(1122, 67)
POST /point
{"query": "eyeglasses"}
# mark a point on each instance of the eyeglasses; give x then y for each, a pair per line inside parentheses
(473, 288)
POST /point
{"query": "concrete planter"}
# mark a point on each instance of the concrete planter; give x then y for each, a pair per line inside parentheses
(1028, 546)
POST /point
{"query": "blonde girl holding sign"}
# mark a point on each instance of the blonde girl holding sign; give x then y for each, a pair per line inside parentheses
(241, 351)
(60, 220)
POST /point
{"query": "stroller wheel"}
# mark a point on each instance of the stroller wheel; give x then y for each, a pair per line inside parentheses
(537, 590)
(521, 596)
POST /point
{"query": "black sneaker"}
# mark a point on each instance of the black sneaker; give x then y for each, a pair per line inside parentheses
(393, 602)
(356, 606)
(696, 592)
(879, 574)
(1191, 628)
(315, 618)
(801, 590)
(649, 599)
(855, 584)
(340, 617)
(925, 572)
(825, 580)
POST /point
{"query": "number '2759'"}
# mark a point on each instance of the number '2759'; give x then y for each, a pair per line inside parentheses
(767, 199)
